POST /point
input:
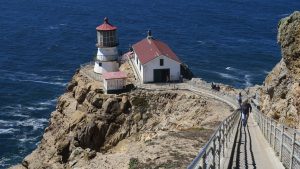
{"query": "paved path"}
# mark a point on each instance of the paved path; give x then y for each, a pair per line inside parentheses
(252, 150)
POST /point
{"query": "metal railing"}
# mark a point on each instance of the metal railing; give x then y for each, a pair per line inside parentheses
(212, 153)
(88, 70)
(283, 140)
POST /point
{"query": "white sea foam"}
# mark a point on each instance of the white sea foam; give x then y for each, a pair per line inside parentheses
(201, 42)
(7, 123)
(36, 108)
(53, 27)
(31, 77)
(248, 80)
(44, 82)
(3, 161)
(35, 123)
(266, 72)
(8, 131)
(284, 15)
(26, 139)
(48, 102)
(54, 70)
(228, 76)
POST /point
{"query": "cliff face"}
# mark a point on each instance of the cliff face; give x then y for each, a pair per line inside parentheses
(280, 93)
(143, 128)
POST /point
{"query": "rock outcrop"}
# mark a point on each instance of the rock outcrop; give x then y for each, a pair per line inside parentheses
(90, 129)
(280, 93)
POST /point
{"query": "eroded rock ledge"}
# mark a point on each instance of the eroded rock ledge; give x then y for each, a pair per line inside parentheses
(280, 93)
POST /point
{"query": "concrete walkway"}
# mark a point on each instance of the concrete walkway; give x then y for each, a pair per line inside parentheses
(252, 150)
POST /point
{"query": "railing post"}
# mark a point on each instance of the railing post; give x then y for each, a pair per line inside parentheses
(204, 161)
(214, 153)
(219, 152)
(270, 131)
(292, 150)
(281, 143)
(274, 136)
(265, 127)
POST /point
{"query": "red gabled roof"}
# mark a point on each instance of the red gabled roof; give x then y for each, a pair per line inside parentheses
(114, 75)
(149, 48)
(106, 26)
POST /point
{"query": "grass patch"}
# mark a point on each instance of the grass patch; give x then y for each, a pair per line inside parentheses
(133, 163)
(141, 103)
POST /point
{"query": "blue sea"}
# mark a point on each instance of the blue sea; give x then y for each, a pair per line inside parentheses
(43, 42)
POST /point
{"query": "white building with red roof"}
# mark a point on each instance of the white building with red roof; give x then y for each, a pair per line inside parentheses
(155, 61)
(114, 81)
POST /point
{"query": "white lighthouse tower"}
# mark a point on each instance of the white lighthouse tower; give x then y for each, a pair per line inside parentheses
(107, 42)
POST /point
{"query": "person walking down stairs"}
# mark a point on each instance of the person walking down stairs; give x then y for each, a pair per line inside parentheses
(246, 109)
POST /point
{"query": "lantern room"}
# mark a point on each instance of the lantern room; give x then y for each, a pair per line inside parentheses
(106, 35)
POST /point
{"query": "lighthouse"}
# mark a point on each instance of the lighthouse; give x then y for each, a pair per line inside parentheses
(107, 44)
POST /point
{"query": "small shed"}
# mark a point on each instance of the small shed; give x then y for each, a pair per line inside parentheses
(114, 81)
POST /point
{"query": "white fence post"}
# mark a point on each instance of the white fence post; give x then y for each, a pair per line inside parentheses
(281, 143)
(292, 150)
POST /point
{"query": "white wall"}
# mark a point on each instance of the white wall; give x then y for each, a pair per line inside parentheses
(155, 64)
(107, 54)
(137, 64)
(106, 67)
(114, 84)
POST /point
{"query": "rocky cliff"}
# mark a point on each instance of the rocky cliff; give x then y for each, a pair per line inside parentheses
(138, 129)
(280, 93)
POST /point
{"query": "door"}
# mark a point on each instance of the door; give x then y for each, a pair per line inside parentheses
(161, 75)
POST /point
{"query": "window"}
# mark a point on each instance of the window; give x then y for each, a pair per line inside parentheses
(100, 64)
(161, 62)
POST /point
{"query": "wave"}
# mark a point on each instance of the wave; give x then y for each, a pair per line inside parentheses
(234, 70)
(3, 161)
(53, 27)
(7, 123)
(27, 139)
(248, 80)
(266, 72)
(201, 42)
(31, 77)
(8, 131)
(48, 102)
(284, 15)
(54, 70)
(228, 76)
(36, 108)
(43, 82)
(35, 123)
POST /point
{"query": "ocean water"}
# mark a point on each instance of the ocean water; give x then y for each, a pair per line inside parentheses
(43, 42)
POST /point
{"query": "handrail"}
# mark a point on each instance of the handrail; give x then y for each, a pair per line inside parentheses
(89, 72)
(211, 155)
(284, 140)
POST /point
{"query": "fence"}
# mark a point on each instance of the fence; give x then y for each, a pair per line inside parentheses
(211, 155)
(283, 140)
(88, 70)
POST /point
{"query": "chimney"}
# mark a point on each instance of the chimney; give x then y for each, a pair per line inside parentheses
(149, 34)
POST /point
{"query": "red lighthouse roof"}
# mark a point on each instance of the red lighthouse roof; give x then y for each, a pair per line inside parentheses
(106, 26)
